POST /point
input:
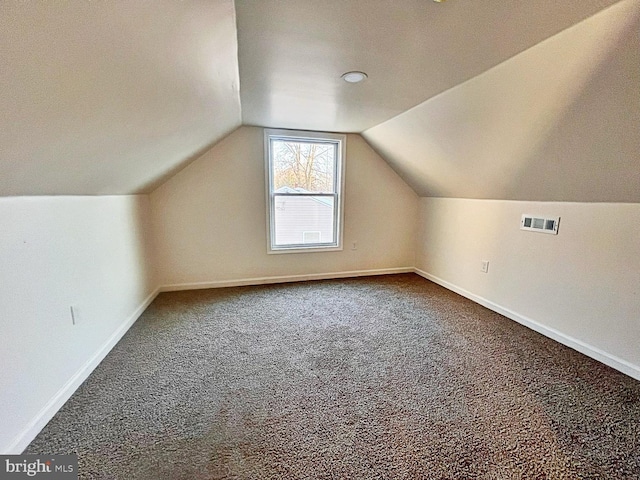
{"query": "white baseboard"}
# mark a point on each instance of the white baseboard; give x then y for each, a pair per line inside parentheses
(600, 355)
(38, 422)
(282, 279)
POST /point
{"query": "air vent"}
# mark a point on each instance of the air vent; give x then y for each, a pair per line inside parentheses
(537, 223)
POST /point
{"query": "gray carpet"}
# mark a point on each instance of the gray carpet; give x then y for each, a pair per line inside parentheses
(387, 377)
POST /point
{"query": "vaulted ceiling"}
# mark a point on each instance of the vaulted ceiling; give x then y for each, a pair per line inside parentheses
(112, 97)
(292, 53)
(516, 100)
(557, 122)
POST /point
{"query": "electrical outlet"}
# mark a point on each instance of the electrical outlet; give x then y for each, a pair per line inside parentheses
(484, 267)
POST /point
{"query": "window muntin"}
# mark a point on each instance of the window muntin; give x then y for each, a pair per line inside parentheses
(304, 190)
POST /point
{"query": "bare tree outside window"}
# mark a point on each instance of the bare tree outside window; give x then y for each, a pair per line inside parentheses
(305, 165)
(305, 181)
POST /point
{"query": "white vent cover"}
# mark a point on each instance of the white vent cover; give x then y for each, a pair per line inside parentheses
(536, 223)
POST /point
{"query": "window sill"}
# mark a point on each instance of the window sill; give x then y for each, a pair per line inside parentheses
(298, 249)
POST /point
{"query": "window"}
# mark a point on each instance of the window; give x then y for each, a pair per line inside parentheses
(304, 174)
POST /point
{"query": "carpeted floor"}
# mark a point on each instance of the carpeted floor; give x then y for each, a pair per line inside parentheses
(388, 377)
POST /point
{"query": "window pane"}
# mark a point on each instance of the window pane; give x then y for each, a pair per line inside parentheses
(303, 220)
(304, 181)
(303, 166)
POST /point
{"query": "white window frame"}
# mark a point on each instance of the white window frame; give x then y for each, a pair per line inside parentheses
(300, 136)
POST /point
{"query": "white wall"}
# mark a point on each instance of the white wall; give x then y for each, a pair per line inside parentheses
(91, 252)
(580, 287)
(210, 219)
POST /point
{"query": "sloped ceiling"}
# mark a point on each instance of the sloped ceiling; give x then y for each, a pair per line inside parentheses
(111, 97)
(293, 52)
(115, 97)
(560, 121)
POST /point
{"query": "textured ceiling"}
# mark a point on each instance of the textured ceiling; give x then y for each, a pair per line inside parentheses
(464, 98)
(112, 97)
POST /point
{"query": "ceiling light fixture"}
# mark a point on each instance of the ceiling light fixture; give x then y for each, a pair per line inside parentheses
(354, 77)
